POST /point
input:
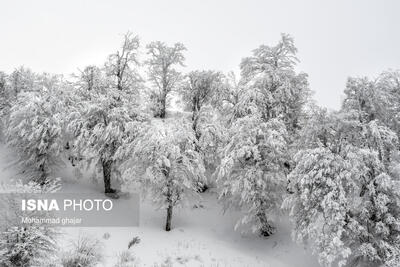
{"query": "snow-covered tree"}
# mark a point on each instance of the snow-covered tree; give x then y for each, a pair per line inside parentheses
(90, 78)
(34, 130)
(22, 80)
(210, 134)
(198, 91)
(162, 73)
(211, 137)
(388, 84)
(121, 66)
(3, 89)
(101, 123)
(273, 84)
(265, 120)
(251, 172)
(376, 99)
(5, 101)
(3, 81)
(106, 112)
(345, 197)
(274, 89)
(167, 165)
(231, 93)
(362, 96)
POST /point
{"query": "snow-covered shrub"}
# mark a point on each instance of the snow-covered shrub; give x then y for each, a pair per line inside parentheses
(34, 130)
(86, 252)
(345, 200)
(134, 241)
(166, 164)
(24, 245)
(251, 171)
(126, 259)
(106, 236)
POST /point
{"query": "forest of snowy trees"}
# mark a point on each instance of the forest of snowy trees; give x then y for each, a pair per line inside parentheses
(257, 138)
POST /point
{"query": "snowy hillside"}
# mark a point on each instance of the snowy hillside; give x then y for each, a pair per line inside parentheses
(202, 236)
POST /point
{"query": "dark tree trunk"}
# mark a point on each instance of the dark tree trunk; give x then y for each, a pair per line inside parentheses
(169, 199)
(200, 185)
(163, 107)
(41, 180)
(266, 228)
(107, 166)
(169, 218)
(119, 82)
(195, 119)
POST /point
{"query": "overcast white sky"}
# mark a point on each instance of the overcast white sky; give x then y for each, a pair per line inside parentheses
(336, 39)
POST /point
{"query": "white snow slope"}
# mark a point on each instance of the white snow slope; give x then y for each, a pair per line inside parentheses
(200, 236)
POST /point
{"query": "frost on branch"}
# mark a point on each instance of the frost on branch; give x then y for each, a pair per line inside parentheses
(273, 84)
(167, 165)
(263, 125)
(251, 172)
(35, 131)
(102, 123)
(106, 114)
(346, 199)
(162, 73)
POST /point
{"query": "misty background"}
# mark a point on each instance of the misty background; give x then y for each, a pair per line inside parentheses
(335, 39)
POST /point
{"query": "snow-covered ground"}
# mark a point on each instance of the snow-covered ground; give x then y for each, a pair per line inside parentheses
(200, 236)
